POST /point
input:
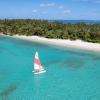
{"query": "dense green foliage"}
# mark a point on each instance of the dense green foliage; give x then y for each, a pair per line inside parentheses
(86, 32)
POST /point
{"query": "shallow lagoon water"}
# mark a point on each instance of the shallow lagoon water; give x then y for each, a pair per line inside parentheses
(71, 74)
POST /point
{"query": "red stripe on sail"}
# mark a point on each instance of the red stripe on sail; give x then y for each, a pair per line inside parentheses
(36, 61)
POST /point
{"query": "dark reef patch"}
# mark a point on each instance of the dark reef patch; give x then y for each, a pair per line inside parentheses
(74, 63)
(5, 93)
(96, 58)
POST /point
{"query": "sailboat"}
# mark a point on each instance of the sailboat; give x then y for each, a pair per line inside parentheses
(38, 67)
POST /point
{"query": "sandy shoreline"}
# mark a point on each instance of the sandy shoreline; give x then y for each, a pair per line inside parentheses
(63, 43)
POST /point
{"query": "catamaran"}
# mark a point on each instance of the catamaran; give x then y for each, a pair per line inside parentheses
(38, 67)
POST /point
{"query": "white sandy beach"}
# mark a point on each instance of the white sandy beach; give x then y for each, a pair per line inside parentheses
(63, 43)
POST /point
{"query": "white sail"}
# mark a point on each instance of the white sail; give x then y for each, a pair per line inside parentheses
(36, 62)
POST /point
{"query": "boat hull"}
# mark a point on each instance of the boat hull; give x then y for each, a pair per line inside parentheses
(40, 72)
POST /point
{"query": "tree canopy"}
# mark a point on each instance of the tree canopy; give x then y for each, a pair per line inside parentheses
(29, 27)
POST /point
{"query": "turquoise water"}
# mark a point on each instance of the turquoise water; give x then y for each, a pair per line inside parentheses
(71, 74)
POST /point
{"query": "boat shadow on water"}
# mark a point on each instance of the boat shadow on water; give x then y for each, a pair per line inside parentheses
(6, 92)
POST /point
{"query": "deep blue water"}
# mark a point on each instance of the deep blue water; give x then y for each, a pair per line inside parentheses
(71, 74)
(77, 21)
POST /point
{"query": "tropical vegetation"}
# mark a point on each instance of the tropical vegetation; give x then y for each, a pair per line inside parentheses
(44, 28)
